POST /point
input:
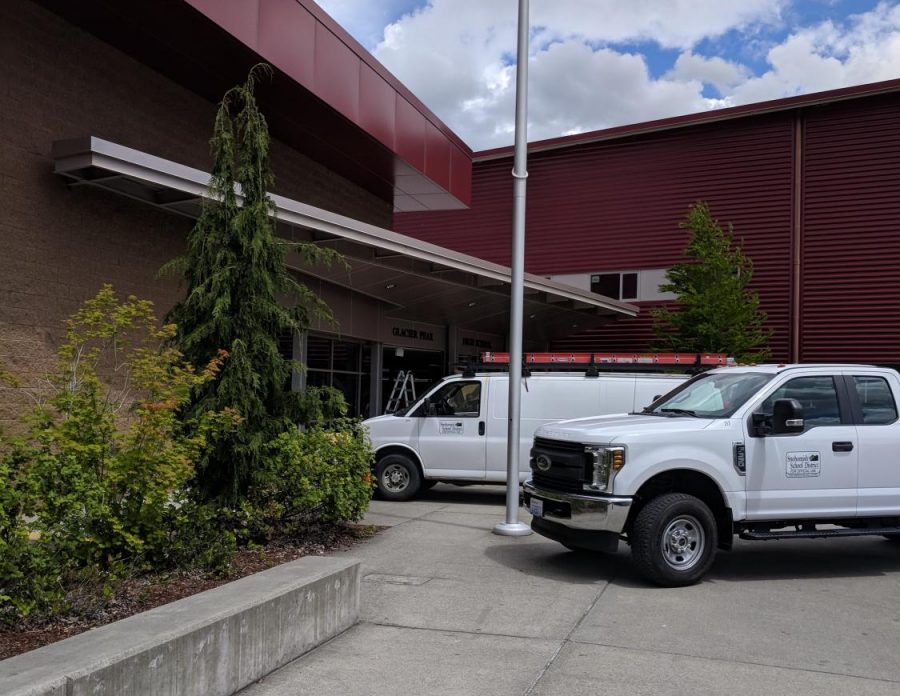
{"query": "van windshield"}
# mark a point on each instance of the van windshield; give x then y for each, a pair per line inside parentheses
(710, 395)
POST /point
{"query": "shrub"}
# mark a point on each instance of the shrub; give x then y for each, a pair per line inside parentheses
(29, 576)
(105, 457)
(322, 474)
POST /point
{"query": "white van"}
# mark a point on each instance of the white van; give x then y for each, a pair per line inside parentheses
(457, 431)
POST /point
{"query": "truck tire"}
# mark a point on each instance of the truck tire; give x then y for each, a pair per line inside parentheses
(674, 539)
(397, 477)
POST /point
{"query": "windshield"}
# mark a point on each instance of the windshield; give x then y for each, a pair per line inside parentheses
(710, 395)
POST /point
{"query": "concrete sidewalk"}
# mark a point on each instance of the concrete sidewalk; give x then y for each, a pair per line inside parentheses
(447, 607)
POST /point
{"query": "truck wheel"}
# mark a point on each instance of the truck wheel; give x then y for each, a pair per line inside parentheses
(673, 540)
(397, 477)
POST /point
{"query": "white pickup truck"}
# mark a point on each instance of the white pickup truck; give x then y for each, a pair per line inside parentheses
(762, 452)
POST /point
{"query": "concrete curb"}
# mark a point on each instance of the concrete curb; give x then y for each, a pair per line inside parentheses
(211, 644)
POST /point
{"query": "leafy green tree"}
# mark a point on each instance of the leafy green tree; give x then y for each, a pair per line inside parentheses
(88, 488)
(241, 298)
(717, 311)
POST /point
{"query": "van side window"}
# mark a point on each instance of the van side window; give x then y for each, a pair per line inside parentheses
(817, 395)
(459, 399)
(875, 400)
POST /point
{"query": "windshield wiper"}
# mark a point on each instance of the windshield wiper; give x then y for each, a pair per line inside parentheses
(679, 411)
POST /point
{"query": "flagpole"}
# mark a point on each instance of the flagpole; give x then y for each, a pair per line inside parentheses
(512, 526)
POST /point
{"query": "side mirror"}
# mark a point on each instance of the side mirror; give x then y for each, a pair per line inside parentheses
(787, 417)
(762, 424)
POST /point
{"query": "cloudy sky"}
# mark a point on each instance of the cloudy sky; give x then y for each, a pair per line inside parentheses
(601, 63)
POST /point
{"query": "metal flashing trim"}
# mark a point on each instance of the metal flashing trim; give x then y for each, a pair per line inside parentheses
(181, 189)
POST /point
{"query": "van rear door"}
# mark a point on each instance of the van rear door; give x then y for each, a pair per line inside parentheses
(451, 430)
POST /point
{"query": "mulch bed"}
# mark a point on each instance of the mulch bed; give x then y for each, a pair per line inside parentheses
(154, 589)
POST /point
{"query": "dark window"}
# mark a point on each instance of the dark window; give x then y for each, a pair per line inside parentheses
(817, 395)
(606, 284)
(346, 356)
(629, 286)
(318, 353)
(876, 400)
(344, 365)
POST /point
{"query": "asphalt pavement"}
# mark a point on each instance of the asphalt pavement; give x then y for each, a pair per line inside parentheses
(448, 607)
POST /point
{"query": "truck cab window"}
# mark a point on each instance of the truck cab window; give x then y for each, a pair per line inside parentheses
(712, 395)
(817, 395)
(875, 400)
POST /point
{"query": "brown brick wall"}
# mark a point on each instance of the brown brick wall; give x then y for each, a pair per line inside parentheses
(58, 244)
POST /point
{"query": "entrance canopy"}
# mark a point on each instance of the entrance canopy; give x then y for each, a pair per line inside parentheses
(417, 280)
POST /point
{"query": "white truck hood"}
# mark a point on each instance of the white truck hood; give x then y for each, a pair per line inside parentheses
(615, 428)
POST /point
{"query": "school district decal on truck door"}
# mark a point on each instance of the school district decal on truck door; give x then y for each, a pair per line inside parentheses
(803, 465)
(454, 428)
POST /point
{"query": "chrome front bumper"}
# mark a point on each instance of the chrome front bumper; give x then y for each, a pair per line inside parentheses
(587, 512)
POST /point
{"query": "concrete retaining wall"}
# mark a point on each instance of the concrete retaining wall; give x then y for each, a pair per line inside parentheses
(213, 643)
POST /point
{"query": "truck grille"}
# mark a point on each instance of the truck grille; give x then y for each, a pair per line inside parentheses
(568, 463)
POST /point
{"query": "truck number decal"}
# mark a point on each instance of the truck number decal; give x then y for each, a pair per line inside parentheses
(803, 465)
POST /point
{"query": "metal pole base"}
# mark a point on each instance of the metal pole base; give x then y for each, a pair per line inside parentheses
(512, 529)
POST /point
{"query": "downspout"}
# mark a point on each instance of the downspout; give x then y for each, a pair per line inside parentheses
(796, 235)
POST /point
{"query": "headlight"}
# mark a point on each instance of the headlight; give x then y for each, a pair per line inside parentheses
(603, 463)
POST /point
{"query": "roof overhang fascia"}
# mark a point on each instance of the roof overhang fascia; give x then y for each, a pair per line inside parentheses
(329, 98)
(181, 189)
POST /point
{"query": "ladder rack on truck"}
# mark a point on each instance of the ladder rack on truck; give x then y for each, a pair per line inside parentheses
(594, 363)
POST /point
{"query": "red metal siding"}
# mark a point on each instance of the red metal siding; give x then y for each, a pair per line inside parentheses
(287, 38)
(850, 244)
(616, 205)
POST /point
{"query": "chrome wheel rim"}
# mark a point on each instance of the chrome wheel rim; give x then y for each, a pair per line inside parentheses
(395, 478)
(683, 542)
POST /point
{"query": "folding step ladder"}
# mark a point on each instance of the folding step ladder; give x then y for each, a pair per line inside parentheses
(403, 393)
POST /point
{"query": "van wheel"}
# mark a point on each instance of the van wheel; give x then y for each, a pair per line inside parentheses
(674, 539)
(397, 477)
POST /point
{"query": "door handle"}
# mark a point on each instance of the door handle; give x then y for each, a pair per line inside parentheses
(841, 446)
(481, 427)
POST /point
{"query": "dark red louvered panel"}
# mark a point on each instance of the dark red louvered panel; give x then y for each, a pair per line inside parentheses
(851, 233)
(616, 205)
(623, 335)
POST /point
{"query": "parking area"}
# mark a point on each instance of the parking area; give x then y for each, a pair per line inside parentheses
(447, 607)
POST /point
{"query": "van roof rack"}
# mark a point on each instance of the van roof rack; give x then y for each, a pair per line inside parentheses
(594, 363)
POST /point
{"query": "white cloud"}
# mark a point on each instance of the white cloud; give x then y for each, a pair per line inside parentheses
(456, 56)
(366, 19)
(669, 23)
(718, 72)
(828, 56)
(586, 69)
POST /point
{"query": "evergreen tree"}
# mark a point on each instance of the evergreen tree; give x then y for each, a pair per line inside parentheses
(717, 311)
(235, 274)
